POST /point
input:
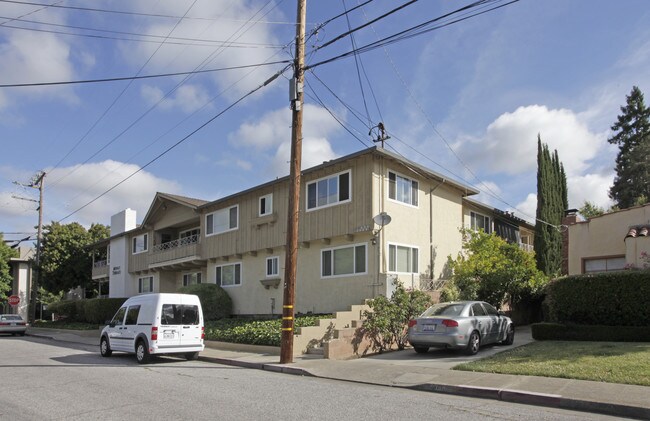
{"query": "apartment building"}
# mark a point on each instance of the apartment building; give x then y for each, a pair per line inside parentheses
(365, 219)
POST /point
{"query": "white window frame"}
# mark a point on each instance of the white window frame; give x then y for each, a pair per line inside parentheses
(474, 215)
(220, 268)
(332, 250)
(183, 234)
(188, 277)
(268, 205)
(414, 185)
(141, 285)
(411, 249)
(336, 176)
(275, 265)
(212, 228)
(609, 263)
(145, 242)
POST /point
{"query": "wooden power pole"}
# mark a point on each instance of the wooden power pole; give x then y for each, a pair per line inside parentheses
(296, 89)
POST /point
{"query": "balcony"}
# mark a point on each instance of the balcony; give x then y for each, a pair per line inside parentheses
(100, 269)
(526, 247)
(182, 250)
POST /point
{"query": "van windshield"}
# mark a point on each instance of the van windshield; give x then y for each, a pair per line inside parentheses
(179, 314)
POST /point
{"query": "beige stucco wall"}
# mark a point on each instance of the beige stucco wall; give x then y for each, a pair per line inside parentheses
(604, 236)
(634, 247)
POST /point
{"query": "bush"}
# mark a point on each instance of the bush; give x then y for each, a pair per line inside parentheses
(254, 332)
(65, 309)
(99, 310)
(570, 332)
(607, 299)
(215, 301)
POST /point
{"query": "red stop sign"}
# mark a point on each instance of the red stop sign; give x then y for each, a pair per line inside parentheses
(14, 300)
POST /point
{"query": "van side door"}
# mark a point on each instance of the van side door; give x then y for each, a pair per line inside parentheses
(116, 331)
(131, 329)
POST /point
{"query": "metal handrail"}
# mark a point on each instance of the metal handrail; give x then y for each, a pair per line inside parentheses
(185, 241)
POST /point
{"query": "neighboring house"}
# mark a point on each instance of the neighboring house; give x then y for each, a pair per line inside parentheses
(613, 241)
(344, 256)
(505, 224)
(21, 285)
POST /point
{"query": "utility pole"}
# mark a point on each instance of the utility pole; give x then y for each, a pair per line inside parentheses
(38, 182)
(286, 345)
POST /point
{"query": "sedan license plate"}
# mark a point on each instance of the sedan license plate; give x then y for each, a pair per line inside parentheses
(428, 328)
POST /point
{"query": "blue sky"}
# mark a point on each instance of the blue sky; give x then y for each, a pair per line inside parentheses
(467, 100)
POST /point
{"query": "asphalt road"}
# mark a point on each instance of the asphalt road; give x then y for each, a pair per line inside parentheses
(48, 380)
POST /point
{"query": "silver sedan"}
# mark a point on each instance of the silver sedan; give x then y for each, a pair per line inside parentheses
(463, 325)
(12, 323)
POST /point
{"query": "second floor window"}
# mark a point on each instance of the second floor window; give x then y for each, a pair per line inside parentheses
(140, 243)
(328, 191)
(480, 222)
(266, 204)
(222, 220)
(402, 189)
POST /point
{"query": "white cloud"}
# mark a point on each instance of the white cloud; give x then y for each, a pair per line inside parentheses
(590, 187)
(315, 151)
(509, 145)
(528, 208)
(187, 98)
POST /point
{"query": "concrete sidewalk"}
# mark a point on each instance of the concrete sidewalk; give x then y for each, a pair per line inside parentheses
(604, 398)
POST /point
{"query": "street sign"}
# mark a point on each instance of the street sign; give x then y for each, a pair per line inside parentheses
(14, 300)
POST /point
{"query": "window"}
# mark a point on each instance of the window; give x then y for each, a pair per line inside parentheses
(118, 319)
(222, 220)
(402, 259)
(140, 243)
(328, 191)
(606, 264)
(145, 284)
(272, 266)
(478, 310)
(402, 189)
(266, 205)
(343, 261)
(132, 315)
(229, 275)
(191, 278)
(479, 222)
(179, 314)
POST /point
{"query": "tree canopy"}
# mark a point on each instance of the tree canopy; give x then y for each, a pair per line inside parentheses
(6, 253)
(66, 262)
(552, 201)
(493, 270)
(632, 136)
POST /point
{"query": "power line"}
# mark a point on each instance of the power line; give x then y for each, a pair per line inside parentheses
(118, 79)
(192, 133)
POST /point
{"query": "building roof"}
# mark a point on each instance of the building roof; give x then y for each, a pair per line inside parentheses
(639, 231)
(500, 214)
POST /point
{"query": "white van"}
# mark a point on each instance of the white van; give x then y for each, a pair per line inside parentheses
(156, 324)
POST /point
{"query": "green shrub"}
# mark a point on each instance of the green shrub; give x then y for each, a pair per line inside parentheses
(215, 301)
(608, 299)
(252, 331)
(571, 332)
(100, 310)
(65, 309)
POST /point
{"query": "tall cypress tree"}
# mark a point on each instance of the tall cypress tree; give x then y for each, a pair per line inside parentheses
(632, 135)
(552, 201)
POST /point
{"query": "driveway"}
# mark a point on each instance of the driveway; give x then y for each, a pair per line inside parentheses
(446, 359)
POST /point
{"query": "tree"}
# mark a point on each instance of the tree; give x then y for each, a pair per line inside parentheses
(552, 201)
(493, 270)
(66, 262)
(632, 135)
(6, 279)
(387, 322)
(589, 210)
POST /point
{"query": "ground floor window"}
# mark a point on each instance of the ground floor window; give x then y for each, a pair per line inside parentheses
(604, 264)
(191, 278)
(272, 266)
(348, 260)
(229, 275)
(145, 284)
(402, 259)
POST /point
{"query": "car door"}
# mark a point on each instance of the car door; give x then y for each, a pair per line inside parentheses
(495, 322)
(483, 322)
(130, 328)
(116, 330)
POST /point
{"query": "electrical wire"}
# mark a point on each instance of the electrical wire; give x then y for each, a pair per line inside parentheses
(118, 79)
(192, 133)
(356, 62)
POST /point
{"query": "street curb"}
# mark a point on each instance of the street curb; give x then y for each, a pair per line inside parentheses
(276, 368)
(539, 399)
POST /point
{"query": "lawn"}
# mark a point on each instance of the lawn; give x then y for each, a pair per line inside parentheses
(611, 362)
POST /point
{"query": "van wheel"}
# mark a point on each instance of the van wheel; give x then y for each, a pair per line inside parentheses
(105, 348)
(142, 352)
(191, 356)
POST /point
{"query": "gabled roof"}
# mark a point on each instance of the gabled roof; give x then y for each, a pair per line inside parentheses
(500, 214)
(160, 197)
(417, 168)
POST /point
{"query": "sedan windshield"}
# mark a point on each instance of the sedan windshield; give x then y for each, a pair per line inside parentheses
(444, 309)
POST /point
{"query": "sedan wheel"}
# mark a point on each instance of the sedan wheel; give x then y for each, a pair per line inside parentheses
(421, 349)
(510, 336)
(474, 344)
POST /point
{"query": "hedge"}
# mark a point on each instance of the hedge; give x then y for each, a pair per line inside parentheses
(604, 299)
(570, 332)
(94, 311)
(215, 301)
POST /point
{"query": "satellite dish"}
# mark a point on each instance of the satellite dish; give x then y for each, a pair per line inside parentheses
(382, 219)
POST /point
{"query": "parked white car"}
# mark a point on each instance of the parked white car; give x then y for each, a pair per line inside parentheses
(153, 324)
